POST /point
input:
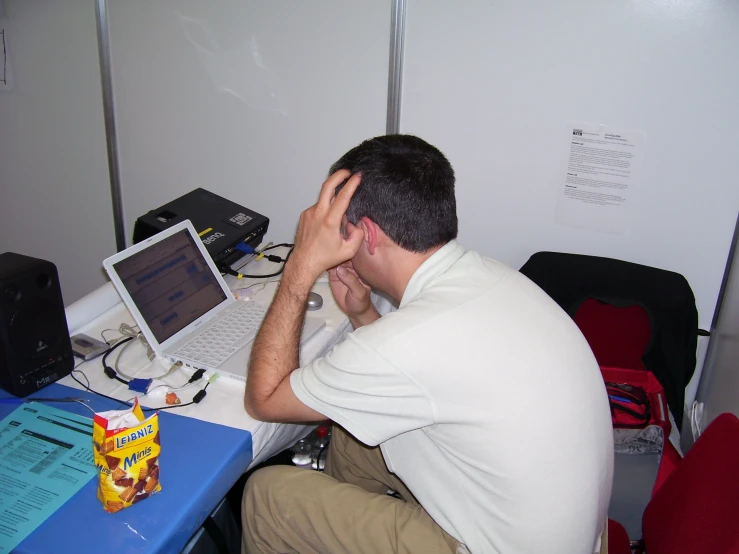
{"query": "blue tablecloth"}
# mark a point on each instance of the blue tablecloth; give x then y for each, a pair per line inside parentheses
(199, 463)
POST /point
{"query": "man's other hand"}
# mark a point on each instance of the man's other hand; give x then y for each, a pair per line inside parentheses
(319, 243)
(350, 292)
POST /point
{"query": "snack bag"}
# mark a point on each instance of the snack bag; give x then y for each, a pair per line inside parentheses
(126, 449)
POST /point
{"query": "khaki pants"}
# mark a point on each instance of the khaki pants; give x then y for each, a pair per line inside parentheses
(344, 510)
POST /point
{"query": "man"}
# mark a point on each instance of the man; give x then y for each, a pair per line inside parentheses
(485, 400)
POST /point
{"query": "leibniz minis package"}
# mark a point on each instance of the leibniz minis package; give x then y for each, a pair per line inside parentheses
(126, 448)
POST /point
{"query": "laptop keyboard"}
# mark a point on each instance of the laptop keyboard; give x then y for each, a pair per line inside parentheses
(234, 329)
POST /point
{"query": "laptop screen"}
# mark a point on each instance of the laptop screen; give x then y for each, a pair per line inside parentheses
(171, 284)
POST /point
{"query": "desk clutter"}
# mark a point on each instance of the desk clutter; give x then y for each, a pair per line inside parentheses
(116, 370)
(97, 381)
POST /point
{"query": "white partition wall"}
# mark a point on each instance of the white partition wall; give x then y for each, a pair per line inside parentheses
(55, 201)
(250, 100)
(494, 84)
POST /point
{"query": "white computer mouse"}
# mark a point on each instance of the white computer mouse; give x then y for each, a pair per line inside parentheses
(315, 301)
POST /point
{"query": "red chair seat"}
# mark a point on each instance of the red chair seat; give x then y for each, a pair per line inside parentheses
(693, 510)
(618, 539)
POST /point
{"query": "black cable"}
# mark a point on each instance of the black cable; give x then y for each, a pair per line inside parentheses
(277, 246)
(109, 371)
(228, 271)
(276, 273)
(116, 345)
(318, 457)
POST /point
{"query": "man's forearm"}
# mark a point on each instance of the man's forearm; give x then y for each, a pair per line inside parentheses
(275, 353)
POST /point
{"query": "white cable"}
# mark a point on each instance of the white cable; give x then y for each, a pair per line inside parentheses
(118, 359)
(85, 405)
(241, 294)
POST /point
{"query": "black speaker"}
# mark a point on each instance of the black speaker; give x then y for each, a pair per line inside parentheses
(35, 349)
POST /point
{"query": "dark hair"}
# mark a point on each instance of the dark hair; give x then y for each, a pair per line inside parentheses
(407, 188)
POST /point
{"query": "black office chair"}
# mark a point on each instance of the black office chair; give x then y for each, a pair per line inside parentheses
(658, 304)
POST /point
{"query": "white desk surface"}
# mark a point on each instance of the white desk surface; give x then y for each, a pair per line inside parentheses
(103, 309)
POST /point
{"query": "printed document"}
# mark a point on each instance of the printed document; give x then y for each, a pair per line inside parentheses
(45, 458)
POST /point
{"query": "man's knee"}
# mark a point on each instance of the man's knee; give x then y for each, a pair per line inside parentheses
(264, 485)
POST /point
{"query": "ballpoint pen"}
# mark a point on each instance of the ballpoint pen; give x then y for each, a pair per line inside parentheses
(38, 399)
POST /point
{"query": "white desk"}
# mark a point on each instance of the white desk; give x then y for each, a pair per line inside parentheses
(103, 309)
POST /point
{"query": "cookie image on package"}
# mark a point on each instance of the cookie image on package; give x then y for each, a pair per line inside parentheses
(114, 506)
(140, 497)
(151, 484)
(128, 494)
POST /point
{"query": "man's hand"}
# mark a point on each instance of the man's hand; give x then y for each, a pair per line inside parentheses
(352, 294)
(319, 243)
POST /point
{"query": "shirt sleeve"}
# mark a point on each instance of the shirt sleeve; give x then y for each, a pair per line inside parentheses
(359, 389)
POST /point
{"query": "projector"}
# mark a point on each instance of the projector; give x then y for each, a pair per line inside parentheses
(221, 224)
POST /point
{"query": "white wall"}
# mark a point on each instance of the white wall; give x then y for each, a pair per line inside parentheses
(719, 389)
(55, 202)
(250, 100)
(493, 84)
(254, 101)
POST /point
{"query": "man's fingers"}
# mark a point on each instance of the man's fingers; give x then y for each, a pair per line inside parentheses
(341, 202)
(353, 283)
(329, 186)
(352, 242)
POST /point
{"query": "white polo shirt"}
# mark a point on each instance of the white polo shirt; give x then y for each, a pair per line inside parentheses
(487, 402)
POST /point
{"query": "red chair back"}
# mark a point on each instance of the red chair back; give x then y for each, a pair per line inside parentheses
(618, 336)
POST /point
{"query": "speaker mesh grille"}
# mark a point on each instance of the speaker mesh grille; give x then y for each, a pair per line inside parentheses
(36, 328)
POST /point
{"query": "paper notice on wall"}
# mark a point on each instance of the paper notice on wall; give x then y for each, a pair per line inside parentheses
(600, 177)
(6, 79)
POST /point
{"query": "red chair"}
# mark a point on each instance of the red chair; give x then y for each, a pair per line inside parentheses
(693, 511)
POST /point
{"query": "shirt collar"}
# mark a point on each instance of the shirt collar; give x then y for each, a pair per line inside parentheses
(435, 265)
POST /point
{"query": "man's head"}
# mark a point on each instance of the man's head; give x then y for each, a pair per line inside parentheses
(407, 189)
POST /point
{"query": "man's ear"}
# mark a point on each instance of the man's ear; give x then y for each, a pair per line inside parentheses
(371, 235)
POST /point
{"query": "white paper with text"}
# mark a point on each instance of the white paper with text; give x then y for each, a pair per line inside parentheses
(600, 177)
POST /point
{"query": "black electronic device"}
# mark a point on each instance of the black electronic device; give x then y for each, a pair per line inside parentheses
(35, 349)
(221, 224)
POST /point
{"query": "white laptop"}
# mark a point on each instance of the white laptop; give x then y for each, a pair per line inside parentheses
(184, 307)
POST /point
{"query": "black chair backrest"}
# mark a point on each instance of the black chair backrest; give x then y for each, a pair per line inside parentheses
(666, 296)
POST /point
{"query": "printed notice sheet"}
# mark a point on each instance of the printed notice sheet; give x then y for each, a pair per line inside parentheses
(45, 458)
(600, 176)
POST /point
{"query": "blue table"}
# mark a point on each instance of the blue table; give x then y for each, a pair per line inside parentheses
(199, 463)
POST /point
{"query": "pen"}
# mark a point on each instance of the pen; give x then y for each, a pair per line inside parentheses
(619, 398)
(34, 399)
